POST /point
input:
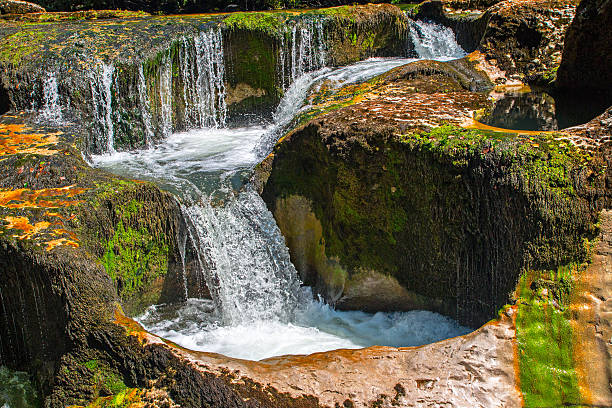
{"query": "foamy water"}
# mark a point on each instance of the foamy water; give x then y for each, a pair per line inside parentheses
(258, 309)
(315, 328)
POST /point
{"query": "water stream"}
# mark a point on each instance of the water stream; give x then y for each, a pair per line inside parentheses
(259, 307)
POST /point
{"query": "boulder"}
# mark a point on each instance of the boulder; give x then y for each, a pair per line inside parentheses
(585, 67)
(19, 7)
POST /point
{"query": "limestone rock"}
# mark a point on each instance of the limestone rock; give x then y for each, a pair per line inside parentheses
(585, 67)
(19, 7)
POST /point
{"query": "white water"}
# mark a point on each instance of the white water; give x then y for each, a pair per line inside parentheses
(51, 109)
(304, 50)
(259, 308)
(101, 82)
(433, 41)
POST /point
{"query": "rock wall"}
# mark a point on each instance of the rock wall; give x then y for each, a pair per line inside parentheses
(452, 221)
(585, 64)
(134, 78)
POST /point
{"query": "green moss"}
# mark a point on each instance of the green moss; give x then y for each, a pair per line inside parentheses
(268, 23)
(126, 398)
(542, 158)
(133, 259)
(104, 380)
(544, 338)
(15, 47)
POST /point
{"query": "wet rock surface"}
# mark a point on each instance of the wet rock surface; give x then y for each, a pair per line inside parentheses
(384, 198)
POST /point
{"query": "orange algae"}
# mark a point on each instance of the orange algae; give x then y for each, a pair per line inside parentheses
(61, 241)
(23, 224)
(14, 138)
(474, 124)
(45, 198)
(132, 327)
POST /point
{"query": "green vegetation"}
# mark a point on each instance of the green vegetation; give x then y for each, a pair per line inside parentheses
(16, 390)
(268, 23)
(544, 338)
(542, 158)
(123, 399)
(104, 378)
(134, 258)
(14, 47)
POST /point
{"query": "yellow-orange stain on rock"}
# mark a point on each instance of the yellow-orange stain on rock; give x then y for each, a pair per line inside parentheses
(23, 224)
(15, 138)
(45, 198)
(61, 241)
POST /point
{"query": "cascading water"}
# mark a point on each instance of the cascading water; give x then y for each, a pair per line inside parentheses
(434, 41)
(201, 75)
(303, 50)
(259, 308)
(51, 109)
(101, 82)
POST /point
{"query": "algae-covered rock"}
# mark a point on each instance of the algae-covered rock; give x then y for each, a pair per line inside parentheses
(453, 215)
(525, 38)
(132, 78)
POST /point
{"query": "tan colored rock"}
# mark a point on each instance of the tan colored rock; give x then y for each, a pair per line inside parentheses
(19, 7)
(475, 370)
(241, 92)
(592, 325)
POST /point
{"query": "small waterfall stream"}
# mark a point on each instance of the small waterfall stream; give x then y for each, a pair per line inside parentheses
(259, 308)
(51, 109)
(434, 41)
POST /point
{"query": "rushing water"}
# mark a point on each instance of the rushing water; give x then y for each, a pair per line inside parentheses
(51, 109)
(259, 308)
(432, 41)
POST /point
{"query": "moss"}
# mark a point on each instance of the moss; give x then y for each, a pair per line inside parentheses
(128, 397)
(544, 338)
(15, 47)
(542, 158)
(133, 259)
(267, 23)
(103, 379)
(414, 206)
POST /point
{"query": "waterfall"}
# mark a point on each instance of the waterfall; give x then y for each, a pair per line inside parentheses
(197, 67)
(101, 82)
(210, 86)
(145, 107)
(303, 50)
(51, 109)
(433, 40)
(247, 263)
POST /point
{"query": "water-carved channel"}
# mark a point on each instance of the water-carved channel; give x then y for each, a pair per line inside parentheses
(259, 307)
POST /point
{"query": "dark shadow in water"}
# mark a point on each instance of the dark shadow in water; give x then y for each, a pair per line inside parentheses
(541, 111)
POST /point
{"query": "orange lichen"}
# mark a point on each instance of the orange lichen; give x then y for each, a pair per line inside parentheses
(61, 241)
(14, 138)
(131, 327)
(45, 198)
(23, 224)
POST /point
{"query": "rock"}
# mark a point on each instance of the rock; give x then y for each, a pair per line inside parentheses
(525, 38)
(131, 43)
(450, 201)
(19, 7)
(478, 371)
(585, 67)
